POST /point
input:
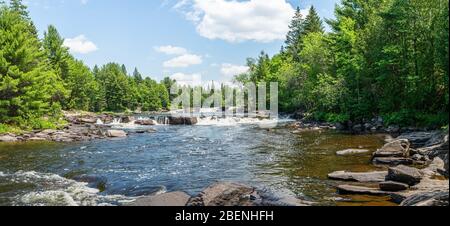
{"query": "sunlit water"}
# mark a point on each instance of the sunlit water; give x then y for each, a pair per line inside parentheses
(182, 158)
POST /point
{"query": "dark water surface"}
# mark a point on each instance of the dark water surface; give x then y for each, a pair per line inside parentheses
(185, 158)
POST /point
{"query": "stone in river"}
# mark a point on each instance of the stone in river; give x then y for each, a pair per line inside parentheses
(396, 148)
(433, 198)
(376, 176)
(8, 138)
(404, 174)
(393, 186)
(227, 194)
(392, 161)
(145, 122)
(165, 199)
(116, 133)
(352, 151)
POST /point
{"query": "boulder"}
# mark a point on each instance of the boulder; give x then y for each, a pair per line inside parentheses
(8, 138)
(396, 148)
(404, 174)
(116, 133)
(421, 139)
(165, 199)
(182, 120)
(227, 194)
(434, 198)
(392, 161)
(126, 119)
(352, 151)
(90, 120)
(393, 186)
(360, 177)
(145, 122)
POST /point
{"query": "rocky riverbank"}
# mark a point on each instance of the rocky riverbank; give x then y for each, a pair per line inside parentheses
(90, 126)
(413, 171)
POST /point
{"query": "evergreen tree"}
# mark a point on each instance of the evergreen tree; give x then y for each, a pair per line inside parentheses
(313, 23)
(296, 29)
(137, 76)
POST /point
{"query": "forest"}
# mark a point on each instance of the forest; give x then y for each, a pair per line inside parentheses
(40, 78)
(384, 58)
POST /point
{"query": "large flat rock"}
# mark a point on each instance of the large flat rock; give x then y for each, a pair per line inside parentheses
(166, 199)
(392, 161)
(361, 190)
(396, 148)
(352, 152)
(377, 176)
(404, 174)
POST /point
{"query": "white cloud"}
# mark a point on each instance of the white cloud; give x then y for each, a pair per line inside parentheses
(80, 44)
(184, 60)
(231, 70)
(236, 21)
(187, 79)
(170, 50)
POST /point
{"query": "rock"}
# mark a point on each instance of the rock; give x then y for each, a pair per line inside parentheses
(357, 128)
(352, 189)
(352, 151)
(393, 186)
(392, 161)
(227, 194)
(36, 139)
(8, 138)
(404, 174)
(393, 129)
(182, 120)
(126, 119)
(435, 168)
(165, 199)
(145, 122)
(90, 120)
(116, 133)
(396, 148)
(434, 198)
(421, 139)
(360, 177)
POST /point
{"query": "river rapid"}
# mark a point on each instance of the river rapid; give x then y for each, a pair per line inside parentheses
(183, 158)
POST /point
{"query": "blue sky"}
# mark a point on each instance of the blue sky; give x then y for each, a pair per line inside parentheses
(186, 39)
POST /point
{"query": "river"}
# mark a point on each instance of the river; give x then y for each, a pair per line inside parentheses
(183, 158)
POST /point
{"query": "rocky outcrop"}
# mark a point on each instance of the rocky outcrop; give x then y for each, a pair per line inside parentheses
(396, 148)
(116, 133)
(404, 174)
(359, 177)
(165, 199)
(352, 152)
(434, 198)
(421, 139)
(145, 122)
(392, 161)
(361, 190)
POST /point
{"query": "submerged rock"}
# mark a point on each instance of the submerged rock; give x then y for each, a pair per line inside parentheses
(404, 174)
(145, 122)
(182, 120)
(393, 186)
(359, 177)
(352, 151)
(392, 161)
(165, 199)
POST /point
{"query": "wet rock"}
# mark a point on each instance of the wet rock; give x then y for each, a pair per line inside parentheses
(90, 120)
(434, 198)
(360, 177)
(352, 151)
(36, 139)
(357, 128)
(116, 133)
(352, 189)
(182, 120)
(126, 119)
(393, 129)
(227, 194)
(396, 148)
(145, 122)
(421, 139)
(165, 199)
(8, 138)
(393, 186)
(404, 174)
(392, 161)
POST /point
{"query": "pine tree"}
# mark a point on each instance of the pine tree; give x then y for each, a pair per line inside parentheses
(296, 29)
(137, 76)
(313, 23)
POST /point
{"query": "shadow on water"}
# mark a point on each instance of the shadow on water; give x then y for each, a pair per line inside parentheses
(189, 158)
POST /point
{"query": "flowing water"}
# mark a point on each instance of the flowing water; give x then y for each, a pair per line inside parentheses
(183, 158)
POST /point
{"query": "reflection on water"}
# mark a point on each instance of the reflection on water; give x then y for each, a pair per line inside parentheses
(186, 158)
